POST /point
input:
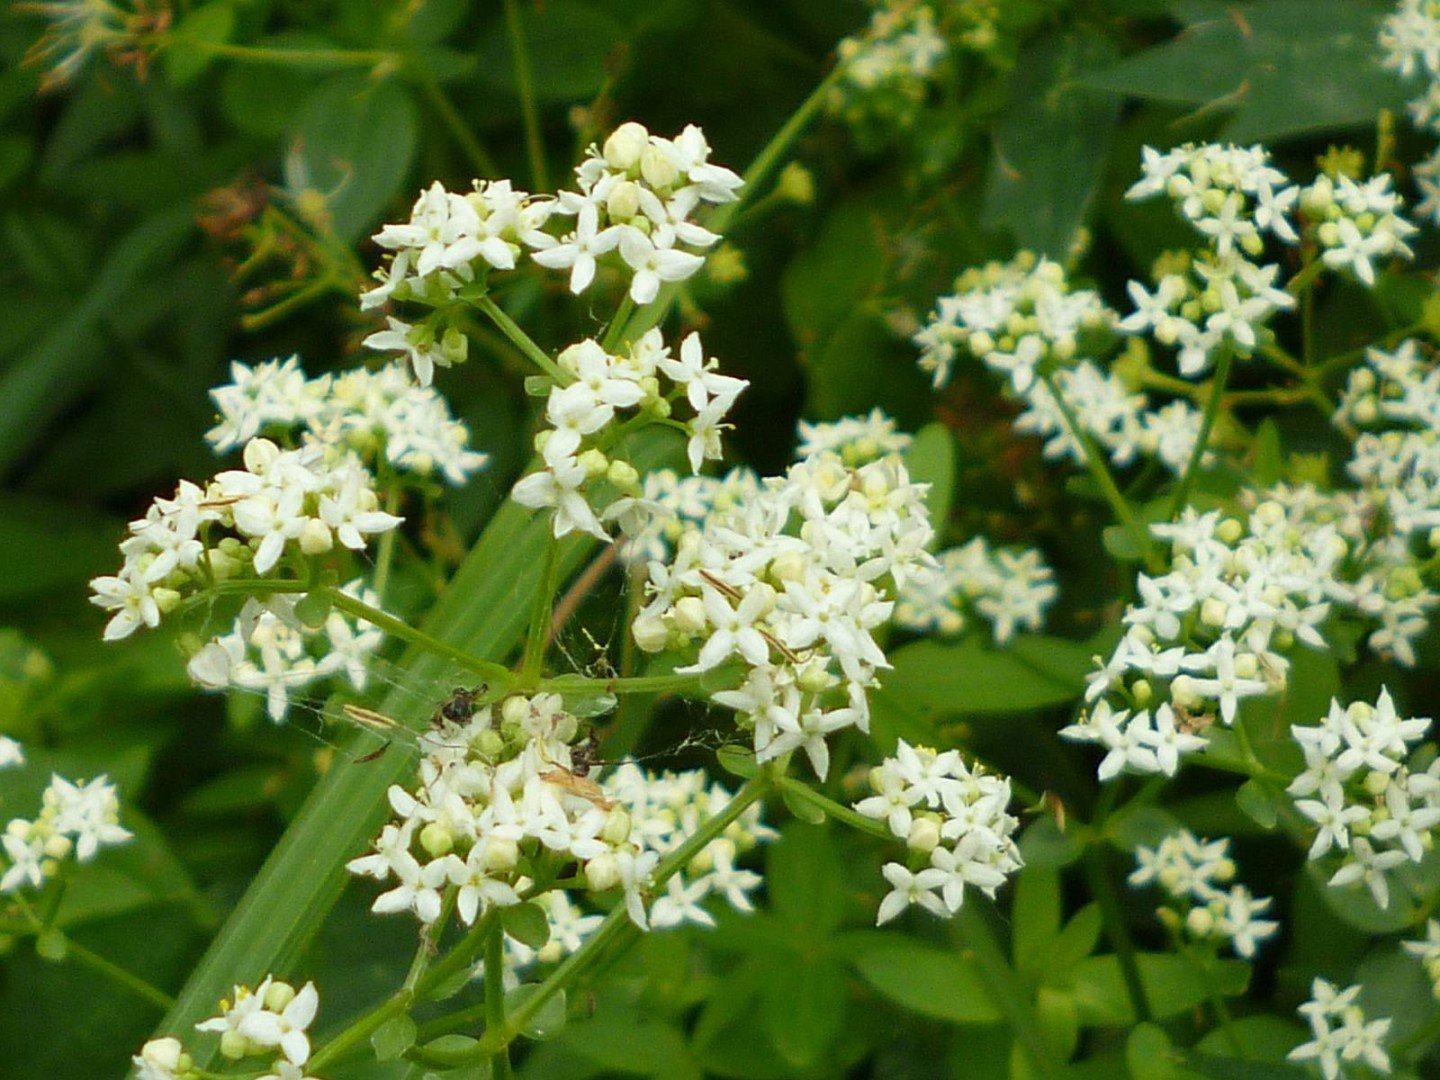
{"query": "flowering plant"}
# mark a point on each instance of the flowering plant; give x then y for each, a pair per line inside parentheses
(1050, 696)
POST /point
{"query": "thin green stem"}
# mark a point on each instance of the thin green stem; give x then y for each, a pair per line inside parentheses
(111, 970)
(798, 789)
(616, 329)
(1099, 469)
(1310, 378)
(1116, 929)
(1217, 1005)
(263, 54)
(525, 83)
(728, 675)
(1305, 277)
(495, 674)
(1207, 422)
(495, 999)
(521, 340)
(450, 116)
(533, 660)
(385, 552)
(1010, 996)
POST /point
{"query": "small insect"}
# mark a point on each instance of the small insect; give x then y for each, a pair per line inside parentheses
(585, 755)
(578, 785)
(459, 707)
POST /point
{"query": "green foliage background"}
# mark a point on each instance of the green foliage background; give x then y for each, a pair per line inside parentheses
(118, 312)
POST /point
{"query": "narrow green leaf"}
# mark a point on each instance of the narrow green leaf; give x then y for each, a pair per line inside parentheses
(526, 923)
(927, 980)
(931, 460)
(393, 1038)
(956, 678)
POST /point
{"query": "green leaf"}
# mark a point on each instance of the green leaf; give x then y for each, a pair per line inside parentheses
(801, 808)
(1215, 1067)
(393, 1038)
(926, 980)
(42, 382)
(262, 99)
(931, 460)
(738, 760)
(568, 43)
(803, 1005)
(1050, 144)
(526, 923)
(840, 268)
(357, 139)
(1076, 941)
(1262, 1037)
(805, 879)
(211, 24)
(1035, 920)
(1173, 985)
(1260, 802)
(549, 1021)
(1148, 1053)
(1032, 672)
(1275, 65)
(1043, 844)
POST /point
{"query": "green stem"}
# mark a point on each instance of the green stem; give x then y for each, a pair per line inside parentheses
(262, 54)
(496, 674)
(614, 332)
(111, 970)
(1305, 277)
(495, 998)
(1099, 469)
(1116, 929)
(1005, 989)
(521, 340)
(525, 83)
(798, 789)
(455, 123)
(533, 660)
(1309, 377)
(1207, 422)
(385, 552)
(719, 677)
(1217, 1004)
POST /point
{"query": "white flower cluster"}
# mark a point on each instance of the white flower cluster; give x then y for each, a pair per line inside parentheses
(1194, 873)
(270, 651)
(857, 439)
(584, 413)
(793, 582)
(254, 1023)
(12, 754)
(1202, 304)
(1410, 39)
(1357, 224)
(675, 503)
(1428, 950)
(955, 822)
(1009, 589)
(899, 51)
(635, 199)
(1023, 318)
(75, 818)
(295, 503)
(1209, 633)
(1014, 316)
(502, 803)
(1342, 1034)
(374, 413)
(1233, 196)
(636, 196)
(1358, 792)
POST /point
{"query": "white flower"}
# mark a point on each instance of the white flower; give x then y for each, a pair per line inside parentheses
(161, 1059)
(907, 888)
(284, 1029)
(653, 264)
(12, 755)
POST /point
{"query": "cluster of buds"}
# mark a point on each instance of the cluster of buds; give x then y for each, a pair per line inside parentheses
(1357, 224)
(1009, 589)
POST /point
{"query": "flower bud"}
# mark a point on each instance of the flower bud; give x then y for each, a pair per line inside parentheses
(1200, 922)
(650, 633)
(501, 854)
(657, 168)
(624, 476)
(594, 462)
(1213, 612)
(689, 615)
(924, 834)
(315, 537)
(489, 744)
(165, 1056)
(437, 840)
(233, 1045)
(625, 145)
(624, 201)
(601, 873)
(515, 709)
(796, 184)
(1376, 783)
(279, 995)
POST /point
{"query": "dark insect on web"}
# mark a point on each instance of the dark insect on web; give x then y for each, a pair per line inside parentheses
(585, 755)
(459, 707)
